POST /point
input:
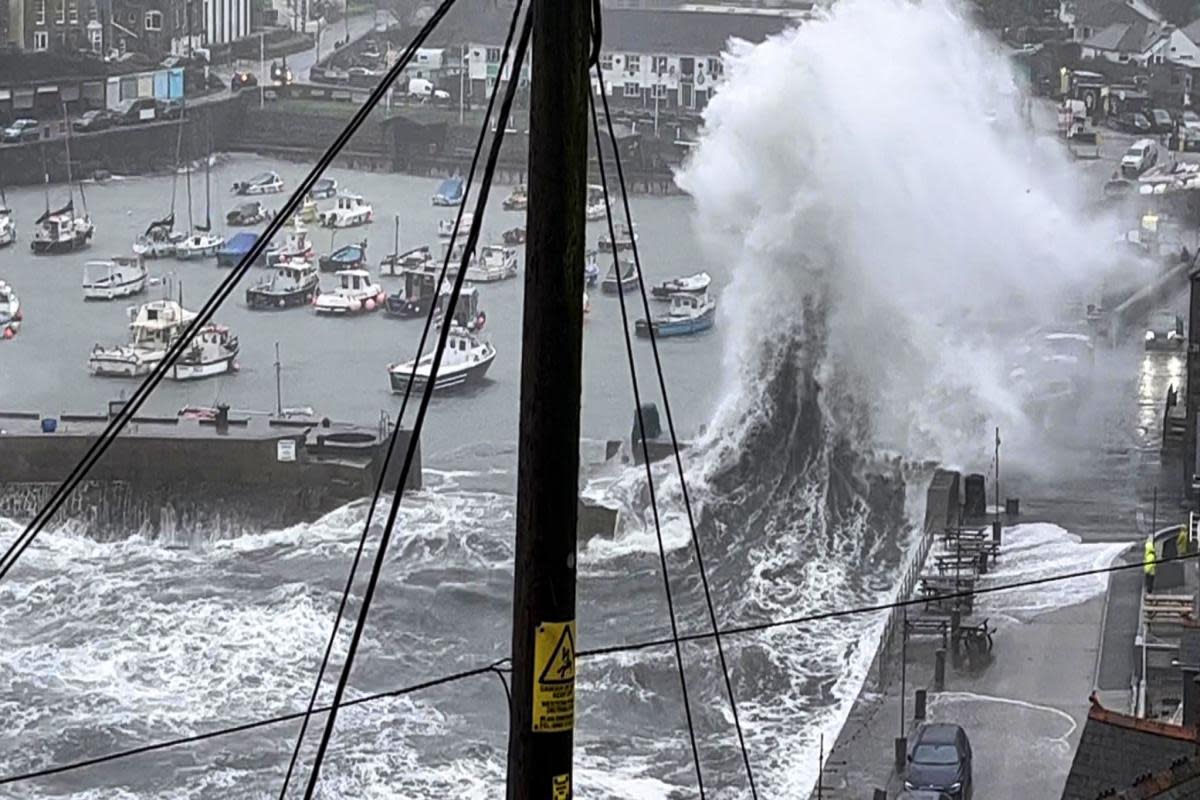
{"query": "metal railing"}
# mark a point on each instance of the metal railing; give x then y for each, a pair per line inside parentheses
(892, 628)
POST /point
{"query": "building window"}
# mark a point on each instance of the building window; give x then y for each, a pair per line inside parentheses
(606, 61)
(154, 20)
(40, 13)
(41, 40)
(660, 65)
(715, 67)
(493, 55)
(633, 90)
(61, 12)
(633, 63)
(660, 91)
(73, 12)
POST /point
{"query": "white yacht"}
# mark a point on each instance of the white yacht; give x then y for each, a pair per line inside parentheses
(355, 293)
(119, 276)
(464, 362)
(154, 326)
(350, 210)
(494, 264)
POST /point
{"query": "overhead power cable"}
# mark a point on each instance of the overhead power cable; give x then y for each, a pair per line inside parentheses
(593, 653)
(379, 485)
(662, 387)
(637, 401)
(469, 248)
(176, 349)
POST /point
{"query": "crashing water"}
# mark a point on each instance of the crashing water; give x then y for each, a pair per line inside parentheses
(891, 223)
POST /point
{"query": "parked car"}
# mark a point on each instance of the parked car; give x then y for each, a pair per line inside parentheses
(1189, 119)
(22, 130)
(170, 109)
(98, 119)
(1141, 156)
(920, 794)
(281, 74)
(1160, 120)
(136, 110)
(940, 761)
(241, 80)
(1131, 122)
(1164, 331)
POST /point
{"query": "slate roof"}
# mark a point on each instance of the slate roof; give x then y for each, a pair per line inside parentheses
(624, 30)
(1136, 37)
(1192, 31)
(1097, 14)
(1181, 781)
(1116, 750)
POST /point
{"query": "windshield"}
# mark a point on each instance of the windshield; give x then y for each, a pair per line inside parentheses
(935, 754)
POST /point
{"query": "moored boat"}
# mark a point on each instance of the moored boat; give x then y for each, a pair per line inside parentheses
(348, 256)
(514, 236)
(10, 312)
(690, 313)
(493, 264)
(291, 283)
(8, 226)
(465, 362)
(62, 231)
(237, 246)
(355, 293)
(397, 264)
(159, 240)
(109, 279)
(624, 239)
(449, 193)
(445, 227)
(308, 210)
(251, 212)
(154, 326)
(323, 189)
(594, 207)
(619, 284)
(696, 283)
(416, 296)
(467, 313)
(200, 244)
(349, 211)
(267, 182)
(518, 199)
(212, 351)
(297, 245)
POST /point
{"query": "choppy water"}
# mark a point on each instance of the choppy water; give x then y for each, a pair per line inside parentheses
(110, 645)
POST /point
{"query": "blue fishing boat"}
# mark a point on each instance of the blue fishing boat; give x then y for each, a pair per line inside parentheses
(450, 193)
(689, 314)
(230, 254)
(348, 256)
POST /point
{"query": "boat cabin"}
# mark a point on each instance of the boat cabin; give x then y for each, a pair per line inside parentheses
(156, 324)
(355, 280)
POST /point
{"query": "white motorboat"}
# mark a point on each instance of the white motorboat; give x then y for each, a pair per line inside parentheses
(10, 312)
(155, 325)
(445, 227)
(624, 240)
(119, 276)
(350, 210)
(517, 200)
(267, 182)
(696, 283)
(355, 293)
(297, 245)
(495, 263)
(465, 362)
(212, 351)
(594, 208)
(8, 226)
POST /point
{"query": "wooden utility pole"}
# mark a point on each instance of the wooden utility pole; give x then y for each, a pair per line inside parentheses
(542, 716)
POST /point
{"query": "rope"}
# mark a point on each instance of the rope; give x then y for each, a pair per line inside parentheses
(637, 399)
(177, 348)
(592, 653)
(460, 278)
(662, 387)
(395, 431)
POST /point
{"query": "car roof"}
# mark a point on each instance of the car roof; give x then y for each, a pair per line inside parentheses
(939, 733)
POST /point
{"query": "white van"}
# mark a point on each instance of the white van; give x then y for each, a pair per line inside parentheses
(1141, 156)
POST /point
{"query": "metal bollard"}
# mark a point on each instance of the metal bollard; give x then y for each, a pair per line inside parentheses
(919, 704)
(939, 670)
(955, 624)
(996, 532)
(901, 746)
(983, 563)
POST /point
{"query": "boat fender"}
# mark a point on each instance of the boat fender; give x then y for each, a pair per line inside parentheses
(370, 305)
(9, 332)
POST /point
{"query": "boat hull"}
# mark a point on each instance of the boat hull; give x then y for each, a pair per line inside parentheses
(8, 235)
(618, 287)
(122, 365)
(665, 329)
(116, 290)
(446, 381)
(42, 247)
(203, 369)
(277, 301)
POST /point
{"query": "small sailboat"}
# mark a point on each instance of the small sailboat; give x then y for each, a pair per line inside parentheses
(201, 242)
(267, 182)
(465, 362)
(445, 227)
(624, 241)
(62, 231)
(160, 239)
(109, 279)
(690, 313)
(356, 293)
(323, 189)
(249, 213)
(348, 256)
(8, 226)
(615, 283)
(10, 312)
(594, 208)
(297, 245)
(350, 211)
(153, 327)
(518, 199)
(591, 268)
(696, 283)
(494, 264)
(290, 284)
(449, 193)
(212, 351)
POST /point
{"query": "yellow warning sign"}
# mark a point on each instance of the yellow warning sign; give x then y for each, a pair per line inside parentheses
(554, 679)
(561, 787)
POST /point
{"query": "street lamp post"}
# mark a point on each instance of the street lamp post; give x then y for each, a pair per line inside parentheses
(262, 68)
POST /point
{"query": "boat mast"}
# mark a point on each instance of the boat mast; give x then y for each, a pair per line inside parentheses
(278, 384)
(187, 172)
(542, 718)
(178, 151)
(67, 145)
(396, 239)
